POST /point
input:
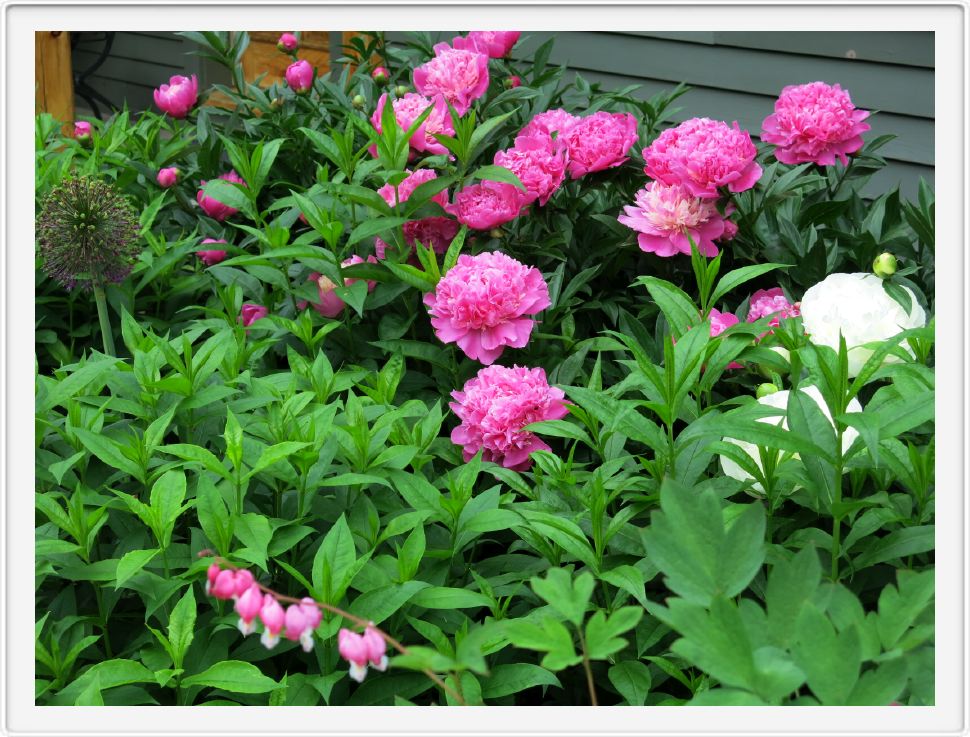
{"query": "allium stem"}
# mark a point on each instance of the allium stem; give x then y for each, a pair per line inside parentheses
(106, 336)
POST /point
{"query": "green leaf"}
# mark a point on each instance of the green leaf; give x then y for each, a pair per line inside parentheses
(379, 604)
(445, 597)
(511, 678)
(109, 452)
(830, 660)
(603, 633)
(737, 277)
(551, 637)
(213, 515)
(166, 499)
(254, 531)
(60, 391)
(566, 595)
(233, 675)
(897, 544)
(880, 686)
(791, 584)
(495, 173)
(333, 564)
(275, 454)
(181, 626)
(227, 193)
(632, 680)
(373, 227)
(197, 454)
(91, 695)
(131, 563)
(900, 605)
(678, 308)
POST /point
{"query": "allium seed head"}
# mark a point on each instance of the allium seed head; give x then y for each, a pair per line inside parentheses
(88, 233)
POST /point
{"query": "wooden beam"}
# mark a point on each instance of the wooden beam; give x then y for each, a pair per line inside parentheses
(53, 75)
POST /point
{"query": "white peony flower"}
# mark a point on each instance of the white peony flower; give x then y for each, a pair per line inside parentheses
(780, 401)
(857, 306)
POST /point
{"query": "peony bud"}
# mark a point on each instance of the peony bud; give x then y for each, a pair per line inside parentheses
(401, 90)
(288, 43)
(496, 233)
(167, 177)
(380, 75)
(178, 96)
(765, 389)
(299, 76)
(358, 101)
(884, 266)
(250, 313)
(510, 83)
(82, 131)
(276, 103)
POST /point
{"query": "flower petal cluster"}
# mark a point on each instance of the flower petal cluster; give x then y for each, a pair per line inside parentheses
(82, 130)
(772, 301)
(857, 307)
(484, 302)
(496, 405)
(407, 109)
(599, 141)
(486, 205)
(814, 122)
(402, 192)
(433, 232)
(299, 76)
(288, 43)
(211, 206)
(702, 155)
(178, 96)
(459, 75)
(167, 177)
(250, 313)
(556, 121)
(539, 162)
(495, 44)
(665, 215)
(211, 257)
(362, 650)
(329, 304)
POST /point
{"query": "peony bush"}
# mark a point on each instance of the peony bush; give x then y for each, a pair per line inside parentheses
(451, 378)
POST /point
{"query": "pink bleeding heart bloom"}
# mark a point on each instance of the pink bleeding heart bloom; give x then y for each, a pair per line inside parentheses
(313, 618)
(273, 618)
(721, 321)
(250, 313)
(224, 586)
(772, 301)
(362, 650)
(244, 579)
(288, 43)
(167, 177)
(459, 75)
(211, 574)
(178, 96)
(248, 606)
(483, 304)
(213, 256)
(488, 204)
(329, 304)
(665, 215)
(814, 122)
(494, 44)
(556, 121)
(211, 206)
(394, 196)
(299, 76)
(407, 109)
(599, 141)
(82, 130)
(495, 406)
(702, 155)
(295, 621)
(434, 232)
(539, 162)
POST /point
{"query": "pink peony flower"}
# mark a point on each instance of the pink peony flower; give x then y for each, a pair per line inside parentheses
(436, 233)
(664, 215)
(488, 204)
(494, 44)
(288, 43)
(82, 130)
(212, 257)
(248, 606)
(250, 313)
(482, 304)
(814, 122)
(459, 75)
(329, 304)
(539, 162)
(167, 177)
(556, 121)
(407, 109)
(772, 301)
(299, 76)
(211, 206)
(178, 96)
(273, 618)
(721, 321)
(599, 141)
(495, 406)
(703, 154)
(362, 650)
(407, 186)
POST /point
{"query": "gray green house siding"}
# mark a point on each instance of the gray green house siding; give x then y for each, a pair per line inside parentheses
(733, 75)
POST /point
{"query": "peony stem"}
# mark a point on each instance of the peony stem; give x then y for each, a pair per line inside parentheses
(107, 338)
(363, 623)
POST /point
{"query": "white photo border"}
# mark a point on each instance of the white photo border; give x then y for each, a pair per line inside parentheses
(18, 713)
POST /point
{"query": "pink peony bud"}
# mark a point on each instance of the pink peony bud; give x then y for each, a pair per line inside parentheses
(211, 206)
(329, 304)
(495, 44)
(250, 313)
(212, 257)
(248, 607)
(380, 75)
(178, 96)
(224, 586)
(82, 130)
(488, 204)
(510, 83)
(211, 573)
(721, 321)
(273, 618)
(167, 177)
(288, 43)
(299, 76)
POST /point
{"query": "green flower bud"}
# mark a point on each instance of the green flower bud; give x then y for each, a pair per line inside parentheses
(358, 101)
(765, 389)
(884, 266)
(401, 90)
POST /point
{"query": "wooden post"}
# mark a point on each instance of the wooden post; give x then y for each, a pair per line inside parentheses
(53, 75)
